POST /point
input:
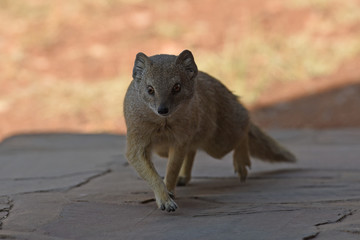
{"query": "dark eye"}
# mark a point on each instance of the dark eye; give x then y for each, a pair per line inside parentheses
(176, 88)
(150, 90)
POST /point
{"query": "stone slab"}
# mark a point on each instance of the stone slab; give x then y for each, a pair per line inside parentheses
(316, 198)
(45, 162)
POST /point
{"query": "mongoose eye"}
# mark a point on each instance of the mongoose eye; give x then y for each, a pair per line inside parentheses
(176, 88)
(150, 90)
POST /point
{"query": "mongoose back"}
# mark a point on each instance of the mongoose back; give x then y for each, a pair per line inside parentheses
(173, 109)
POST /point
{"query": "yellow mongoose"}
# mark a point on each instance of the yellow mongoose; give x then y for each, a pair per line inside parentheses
(173, 109)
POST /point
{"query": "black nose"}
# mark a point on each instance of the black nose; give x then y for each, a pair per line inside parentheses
(163, 110)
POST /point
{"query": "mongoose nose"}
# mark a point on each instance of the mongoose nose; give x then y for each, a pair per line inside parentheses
(163, 110)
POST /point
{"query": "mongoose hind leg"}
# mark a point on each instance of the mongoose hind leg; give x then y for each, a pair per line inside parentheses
(241, 159)
(185, 171)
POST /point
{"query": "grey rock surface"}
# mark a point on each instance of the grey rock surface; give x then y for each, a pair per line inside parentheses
(74, 186)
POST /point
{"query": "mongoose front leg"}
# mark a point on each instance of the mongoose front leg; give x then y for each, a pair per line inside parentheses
(176, 158)
(241, 159)
(140, 159)
(185, 171)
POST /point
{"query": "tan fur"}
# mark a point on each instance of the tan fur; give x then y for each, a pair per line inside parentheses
(175, 123)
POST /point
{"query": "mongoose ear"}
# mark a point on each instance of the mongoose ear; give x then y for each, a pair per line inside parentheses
(141, 61)
(186, 59)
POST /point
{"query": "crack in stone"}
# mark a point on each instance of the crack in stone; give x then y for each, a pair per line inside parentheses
(351, 231)
(321, 201)
(67, 189)
(245, 212)
(86, 181)
(148, 201)
(205, 200)
(48, 178)
(312, 236)
(135, 227)
(10, 204)
(2, 236)
(348, 213)
(340, 219)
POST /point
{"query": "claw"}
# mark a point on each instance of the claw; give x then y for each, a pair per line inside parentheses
(171, 195)
(169, 206)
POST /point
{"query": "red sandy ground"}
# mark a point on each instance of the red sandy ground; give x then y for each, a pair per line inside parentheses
(330, 101)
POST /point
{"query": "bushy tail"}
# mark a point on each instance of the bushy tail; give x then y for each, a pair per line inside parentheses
(264, 147)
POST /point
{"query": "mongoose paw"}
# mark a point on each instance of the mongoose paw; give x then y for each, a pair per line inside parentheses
(183, 181)
(242, 171)
(168, 205)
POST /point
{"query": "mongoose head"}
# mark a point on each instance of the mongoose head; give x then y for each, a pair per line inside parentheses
(165, 81)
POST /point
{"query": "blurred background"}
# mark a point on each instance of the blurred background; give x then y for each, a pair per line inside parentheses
(66, 65)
